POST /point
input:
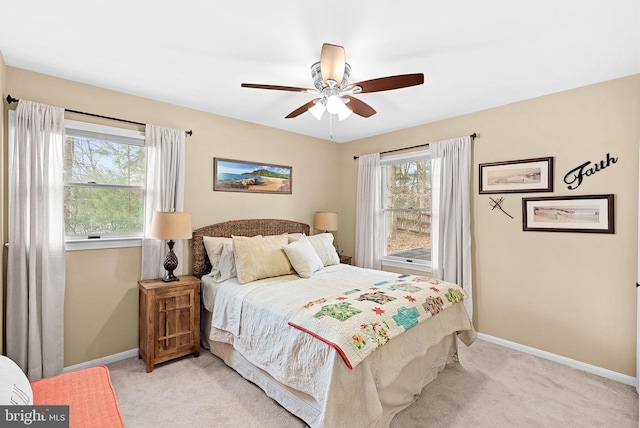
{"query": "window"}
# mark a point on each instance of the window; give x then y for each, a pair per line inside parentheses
(103, 186)
(406, 210)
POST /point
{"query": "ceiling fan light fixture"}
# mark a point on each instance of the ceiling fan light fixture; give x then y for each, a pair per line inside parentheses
(317, 110)
(334, 103)
(344, 113)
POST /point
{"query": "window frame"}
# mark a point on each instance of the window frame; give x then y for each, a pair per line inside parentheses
(392, 261)
(118, 135)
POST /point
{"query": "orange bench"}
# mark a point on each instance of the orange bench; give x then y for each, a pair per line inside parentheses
(88, 393)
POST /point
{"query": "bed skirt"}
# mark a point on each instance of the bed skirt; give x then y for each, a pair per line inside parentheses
(395, 397)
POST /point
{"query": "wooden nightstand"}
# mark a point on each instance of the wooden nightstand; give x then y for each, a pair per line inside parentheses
(169, 319)
(345, 259)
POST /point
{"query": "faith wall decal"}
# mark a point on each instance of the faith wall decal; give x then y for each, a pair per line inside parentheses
(578, 173)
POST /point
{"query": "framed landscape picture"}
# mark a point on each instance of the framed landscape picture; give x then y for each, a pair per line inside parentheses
(518, 176)
(586, 213)
(243, 176)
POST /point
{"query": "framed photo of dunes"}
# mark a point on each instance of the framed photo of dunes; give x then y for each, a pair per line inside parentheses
(584, 213)
(517, 176)
(251, 177)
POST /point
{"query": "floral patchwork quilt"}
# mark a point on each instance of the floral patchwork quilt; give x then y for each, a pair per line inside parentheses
(358, 321)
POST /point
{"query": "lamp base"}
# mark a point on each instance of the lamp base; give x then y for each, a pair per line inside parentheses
(170, 277)
(170, 264)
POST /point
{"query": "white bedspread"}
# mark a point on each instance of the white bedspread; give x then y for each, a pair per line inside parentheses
(253, 317)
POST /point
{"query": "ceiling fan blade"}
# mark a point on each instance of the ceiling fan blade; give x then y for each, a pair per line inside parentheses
(297, 112)
(276, 87)
(332, 62)
(388, 83)
(358, 107)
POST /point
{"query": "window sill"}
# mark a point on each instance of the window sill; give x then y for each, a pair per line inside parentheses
(422, 267)
(102, 243)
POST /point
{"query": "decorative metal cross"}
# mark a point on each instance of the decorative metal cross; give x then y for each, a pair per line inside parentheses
(498, 204)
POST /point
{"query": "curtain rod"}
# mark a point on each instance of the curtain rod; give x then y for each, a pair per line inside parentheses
(473, 137)
(10, 100)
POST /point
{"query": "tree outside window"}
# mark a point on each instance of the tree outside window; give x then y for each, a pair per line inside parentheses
(104, 185)
(407, 208)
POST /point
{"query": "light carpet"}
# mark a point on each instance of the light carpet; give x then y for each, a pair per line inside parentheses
(491, 386)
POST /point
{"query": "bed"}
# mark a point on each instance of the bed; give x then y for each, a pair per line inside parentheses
(254, 323)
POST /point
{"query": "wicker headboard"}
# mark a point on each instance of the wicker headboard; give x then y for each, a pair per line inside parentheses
(265, 227)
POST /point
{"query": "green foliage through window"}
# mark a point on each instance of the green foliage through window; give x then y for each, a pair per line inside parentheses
(104, 193)
(102, 211)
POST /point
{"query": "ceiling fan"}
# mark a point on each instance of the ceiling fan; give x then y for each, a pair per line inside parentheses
(331, 80)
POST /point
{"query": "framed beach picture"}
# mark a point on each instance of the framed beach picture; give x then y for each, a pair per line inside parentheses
(517, 176)
(253, 177)
(585, 213)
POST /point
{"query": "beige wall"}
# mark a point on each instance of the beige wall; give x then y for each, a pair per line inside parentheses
(572, 294)
(101, 287)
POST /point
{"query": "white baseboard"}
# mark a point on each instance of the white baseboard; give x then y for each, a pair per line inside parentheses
(104, 360)
(609, 374)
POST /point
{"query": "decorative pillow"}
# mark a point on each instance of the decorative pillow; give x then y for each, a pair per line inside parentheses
(260, 257)
(294, 236)
(226, 267)
(323, 244)
(220, 253)
(303, 257)
(210, 244)
(15, 389)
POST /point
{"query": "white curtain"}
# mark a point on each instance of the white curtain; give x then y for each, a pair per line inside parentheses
(368, 212)
(451, 220)
(36, 260)
(164, 191)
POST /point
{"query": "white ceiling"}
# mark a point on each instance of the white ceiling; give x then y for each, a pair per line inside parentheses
(474, 54)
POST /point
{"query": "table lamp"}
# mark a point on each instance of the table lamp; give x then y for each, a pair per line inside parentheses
(169, 226)
(325, 221)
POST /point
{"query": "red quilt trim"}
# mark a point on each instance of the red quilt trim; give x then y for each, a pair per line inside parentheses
(333, 345)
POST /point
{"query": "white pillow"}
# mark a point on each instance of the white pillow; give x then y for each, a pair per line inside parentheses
(210, 244)
(220, 253)
(15, 389)
(303, 257)
(323, 244)
(260, 257)
(294, 236)
(226, 266)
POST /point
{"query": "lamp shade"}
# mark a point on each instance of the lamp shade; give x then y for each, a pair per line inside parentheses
(325, 221)
(170, 226)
